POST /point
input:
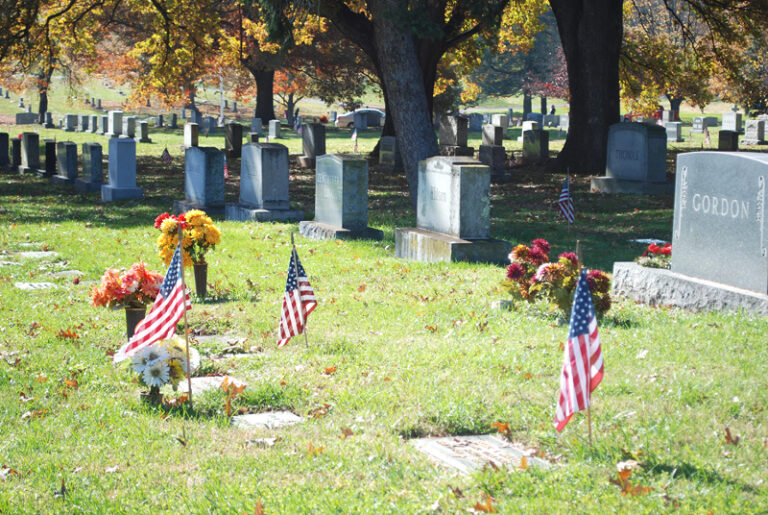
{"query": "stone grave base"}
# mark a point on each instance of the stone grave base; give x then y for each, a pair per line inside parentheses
(268, 420)
(143, 140)
(245, 213)
(82, 185)
(660, 287)
(468, 454)
(44, 173)
(25, 170)
(754, 142)
(611, 185)
(61, 180)
(202, 384)
(422, 245)
(320, 231)
(500, 178)
(182, 206)
(452, 150)
(306, 162)
(109, 193)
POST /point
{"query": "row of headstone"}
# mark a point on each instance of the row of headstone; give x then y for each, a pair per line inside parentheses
(453, 137)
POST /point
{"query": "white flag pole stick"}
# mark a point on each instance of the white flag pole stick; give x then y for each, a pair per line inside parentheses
(186, 327)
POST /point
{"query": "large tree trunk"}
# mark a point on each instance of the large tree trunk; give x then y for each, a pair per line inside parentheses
(591, 33)
(407, 99)
(43, 83)
(265, 108)
(674, 105)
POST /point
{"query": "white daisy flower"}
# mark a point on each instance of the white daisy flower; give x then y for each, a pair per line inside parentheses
(156, 373)
(146, 356)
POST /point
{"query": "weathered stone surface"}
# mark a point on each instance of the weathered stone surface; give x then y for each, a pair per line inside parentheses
(674, 131)
(728, 141)
(454, 151)
(202, 384)
(453, 131)
(34, 286)
(268, 420)
(143, 133)
(720, 231)
(274, 129)
(122, 171)
(35, 254)
(115, 124)
(754, 132)
(26, 118)
(93, 170)
(66, 156)
(471, 453)
(30, 153)
(659, 287)
(313, 140)
(492, 135)
(70, 122)
(496, 158)
(732, 122)
(422, 245)
(341, 191)
(389, 153)
(191, 134)
(500, 120)
(233, 139)
(204, 177)
(319, 231)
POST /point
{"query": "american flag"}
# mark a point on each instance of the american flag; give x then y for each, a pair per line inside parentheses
(565, 203)
(354, 138)
(298, 302)
(583, 361)
(160, 322)
(166, 157)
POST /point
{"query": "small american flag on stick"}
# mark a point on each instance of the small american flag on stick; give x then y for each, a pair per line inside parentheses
(583, 360)
(166, 157)
(298, 301)
(160, 323)
(354, 138)
(565, 203)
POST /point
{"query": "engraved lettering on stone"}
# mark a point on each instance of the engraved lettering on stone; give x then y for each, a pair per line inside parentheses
(720, 206)
(761, 213)
(683, 199)
(631, 155)
(438, 194)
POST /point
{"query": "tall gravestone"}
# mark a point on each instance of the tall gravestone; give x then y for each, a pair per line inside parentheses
(115, 125)
(70, 122)
(636, 161)
(452, 214)
(360, 121)
(453, 137)
(93, 124)
(264, 174)
(49, 121)
(313, 144)
(535, 145)
(203, 181)
(129, 126)
(15, 153)
(103, 124)
(122, 171)
(82, 122)
(341, 200)
(3, 149)
(30, 153)
(256, 126)
(475, 122)
(728, 141)
(389, 153)
(500, 120)
(209, 125)
(732, 122)
(66, 156)
(191, 133)
(754, 132)
(174, 121)
(50, 157)
(674, 131)
(233, 139)
(492, 135)
(274, 129)
(143, 132)
(160, 121)
(92, 178)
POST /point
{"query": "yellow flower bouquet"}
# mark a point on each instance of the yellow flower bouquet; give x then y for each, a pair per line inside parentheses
(199, 235)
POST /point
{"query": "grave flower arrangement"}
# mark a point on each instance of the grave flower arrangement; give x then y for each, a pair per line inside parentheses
(199, 236)
(164, 362)
(656, 256)
(532, 277)
(132, 288)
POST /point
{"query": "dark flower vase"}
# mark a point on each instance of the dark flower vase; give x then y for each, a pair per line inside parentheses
(201, 279)
(132, 317)
(152, 397)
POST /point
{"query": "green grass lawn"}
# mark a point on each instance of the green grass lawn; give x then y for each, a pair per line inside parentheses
(417, 351)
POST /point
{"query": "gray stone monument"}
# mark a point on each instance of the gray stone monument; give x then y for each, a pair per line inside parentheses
(209, 125)
(256, 126)
(122, 171)
(264, 182)
(728, 141)
(233, 139)
(732, 122)
(50, 157)
(160, 121)
(26, 118)
(82, 123)
(341, 200)
(103, 124)
(453, 137)
(274, 129)
(15, 153)
(500, 120)
(535, 117)
(115, 127)
(636, 160)
(174, 121)
(564, 122)
(92, 177)
(129, 126)
(492, 135)
(674, 131)
(452, 215)
(535, 144)
(3, 149)
(143, 132)
(191, 133)
(93, 124)
(66, 156)
(70, 122)
(30, 153)
(475, 122)
(203, 181)
(389, 153)
(313, 143)
(49, 121)
(98, 103)
(495, 157)
(360, 121)
(754, 132)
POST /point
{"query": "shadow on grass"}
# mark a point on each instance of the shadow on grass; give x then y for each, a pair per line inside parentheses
(697, 474)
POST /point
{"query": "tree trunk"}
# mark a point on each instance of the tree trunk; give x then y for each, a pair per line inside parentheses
(527, 104)
(43, 83)
(591, 33)
(265, 108)
(404, 80)
(543, 105)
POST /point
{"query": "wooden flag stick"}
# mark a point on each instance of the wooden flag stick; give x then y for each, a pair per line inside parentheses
(186, 326)
(296, 267)
(568, 178)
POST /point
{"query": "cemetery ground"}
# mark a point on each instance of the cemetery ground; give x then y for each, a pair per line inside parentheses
(396, 350)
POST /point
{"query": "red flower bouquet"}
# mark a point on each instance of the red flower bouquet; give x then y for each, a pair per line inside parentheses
(133, 288)
(656, 256)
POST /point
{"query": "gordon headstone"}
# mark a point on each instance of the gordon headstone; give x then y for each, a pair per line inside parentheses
(341, 200)
(452, 214)
(264, 172)
(636, 160)
(203, 181)
(122, 171)
(92, 177)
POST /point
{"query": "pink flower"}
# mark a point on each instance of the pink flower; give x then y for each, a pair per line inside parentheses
(570, 256)
(542, 244)
(541, 272)
(537, 256)
(515, 271)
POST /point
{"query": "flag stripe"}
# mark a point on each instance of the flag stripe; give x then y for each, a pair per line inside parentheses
(298, 302)
(565, 203)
